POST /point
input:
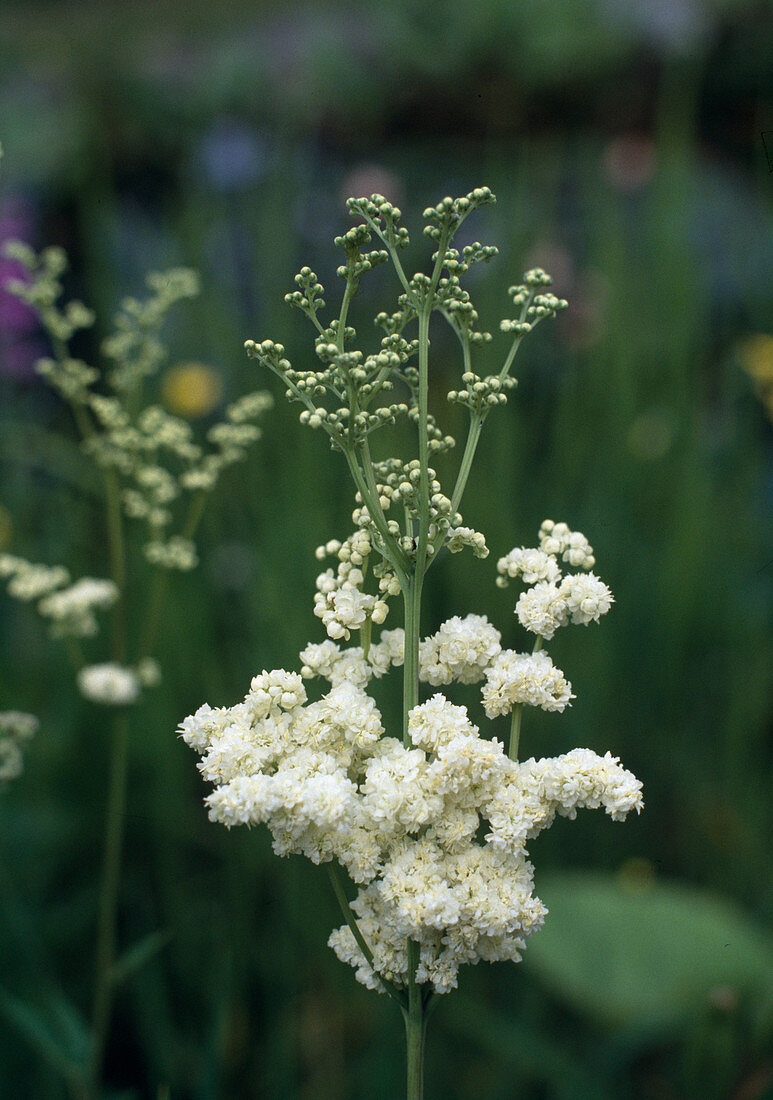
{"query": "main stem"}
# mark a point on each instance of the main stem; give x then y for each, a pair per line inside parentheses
(414, 1029)
(412, 603)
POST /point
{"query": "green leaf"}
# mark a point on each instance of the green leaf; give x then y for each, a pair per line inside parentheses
(649, 954)
(138, 955)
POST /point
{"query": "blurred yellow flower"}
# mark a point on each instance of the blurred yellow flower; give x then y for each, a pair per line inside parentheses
(756, 356)
(191, 389)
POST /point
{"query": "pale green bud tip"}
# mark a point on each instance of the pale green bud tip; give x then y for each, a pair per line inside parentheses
(18, 250)
(178, 282)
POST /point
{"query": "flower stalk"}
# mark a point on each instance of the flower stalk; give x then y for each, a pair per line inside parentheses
(147, 460)
(405, 816)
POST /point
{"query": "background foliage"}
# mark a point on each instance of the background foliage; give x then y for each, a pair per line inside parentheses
(626, 144)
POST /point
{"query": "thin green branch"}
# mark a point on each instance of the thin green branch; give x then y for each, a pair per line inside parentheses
(515, 720)
(351, 920)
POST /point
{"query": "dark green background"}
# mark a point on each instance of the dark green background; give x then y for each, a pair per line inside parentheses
(624, 143)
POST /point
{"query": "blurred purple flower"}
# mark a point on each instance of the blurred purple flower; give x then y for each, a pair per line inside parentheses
(18, 322)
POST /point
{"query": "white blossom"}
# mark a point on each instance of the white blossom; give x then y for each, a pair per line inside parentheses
(460, 650)
(587, 598)
(110, 684)
(542, 609)
(531, 565)
(72, 609)
(530, 678)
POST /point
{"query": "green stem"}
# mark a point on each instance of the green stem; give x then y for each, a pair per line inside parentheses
(421, 557)
(415, 1029)
(393, 552)
(473, 437)
(365, 635)
(117, 552)
(348, 915)
(514, 347)
(388, 240)
(412, 603)
(515, 721)
(107, 911)
(515, 731)
(348, 294)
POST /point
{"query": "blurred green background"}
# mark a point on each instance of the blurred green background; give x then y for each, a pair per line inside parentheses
(627, 146)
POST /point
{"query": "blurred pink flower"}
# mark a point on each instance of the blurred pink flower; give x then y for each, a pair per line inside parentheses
(372, 179)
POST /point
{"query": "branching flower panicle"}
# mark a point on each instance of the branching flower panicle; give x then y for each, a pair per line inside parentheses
(432, 827)
(160, 467)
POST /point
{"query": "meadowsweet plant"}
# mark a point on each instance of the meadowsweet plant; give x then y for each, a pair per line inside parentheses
(430, 822)
(155, 478)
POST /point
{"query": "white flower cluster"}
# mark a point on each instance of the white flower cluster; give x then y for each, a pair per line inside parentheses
(553, 601)
(30, 581)
(111, 684)
(529, 678)
(340, 601)
(16, 728)
(460, 650)
(336, 665)
(70, 609)
(406, 821)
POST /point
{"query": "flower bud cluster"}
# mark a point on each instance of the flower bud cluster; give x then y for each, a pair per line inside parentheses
(175, 553)
(158, 461)
(481, 394)
(399, 484)
(345, 375)
(445, 218)
(456, 305)
(358, 262)
(68, 607)
(457, 538)
(308, 298)
(471, 254)
(553, 601)
(535, 306)
(382, 217)
(16, 729)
